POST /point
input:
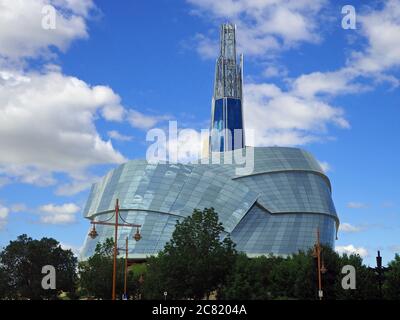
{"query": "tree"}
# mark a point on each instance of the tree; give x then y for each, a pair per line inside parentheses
(392, 280)
(195, 262)
(3, 283)
(366, 280)
(294, 277)
(249, 279)
(95, 274)
(136, 277)
(22, 261)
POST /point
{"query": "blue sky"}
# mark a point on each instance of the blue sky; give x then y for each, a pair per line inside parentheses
(77, 100)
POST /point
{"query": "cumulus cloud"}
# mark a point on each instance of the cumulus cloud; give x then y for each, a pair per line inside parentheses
(265, 26)
(349, 228)
(382, 30)
(58, 214)
(113, 134)
(48, 121)
(47, 118)
(351, 249)
(286, 118)
(187, 146)
(329, 83)
(142, 121)
(78, 184)
(21, 31)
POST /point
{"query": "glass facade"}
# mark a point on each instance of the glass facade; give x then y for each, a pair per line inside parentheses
(227, 125)
(275, 209)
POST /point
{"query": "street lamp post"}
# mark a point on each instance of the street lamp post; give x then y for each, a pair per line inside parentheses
(126, 268)
(93, 234)
(320, 266)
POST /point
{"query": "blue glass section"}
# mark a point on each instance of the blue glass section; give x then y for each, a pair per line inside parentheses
(260, 232)
(217, 136)
(292, 192)
(227, 116)
(234, 115)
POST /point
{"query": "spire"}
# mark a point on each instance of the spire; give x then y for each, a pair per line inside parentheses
(228, 75)
(227, 132)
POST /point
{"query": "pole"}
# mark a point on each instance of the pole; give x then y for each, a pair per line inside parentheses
(319, 267)
(115, 249)
(126, 267)
(379, 270)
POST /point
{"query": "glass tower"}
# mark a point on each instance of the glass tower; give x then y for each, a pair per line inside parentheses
(226, 112)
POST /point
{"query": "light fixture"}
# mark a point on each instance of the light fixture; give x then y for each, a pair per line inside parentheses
(93, 233)
(137, 235)
(323, 269)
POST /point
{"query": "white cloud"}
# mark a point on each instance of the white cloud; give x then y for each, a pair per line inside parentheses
(4, 211)
(325, 166)
(21, 31)
(48, 120)
(382, 30)
(351, 249)
(347, 227)
(113, 112)
(357, 205)
(78, 184)
(265, 26)
(113, 134)
(285, 118)
(331, 83)
(142, 121)
(58, 214)
(186, 147)
(274, 71)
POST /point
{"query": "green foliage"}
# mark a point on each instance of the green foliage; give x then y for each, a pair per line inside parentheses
(194, 263)
(136, 277)
(21, 268)
(95, 274)
(295, 277)
(366, 281)
(392, 281)
(250, 279)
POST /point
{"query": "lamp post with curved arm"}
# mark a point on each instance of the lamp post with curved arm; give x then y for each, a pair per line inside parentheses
(93, 234)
